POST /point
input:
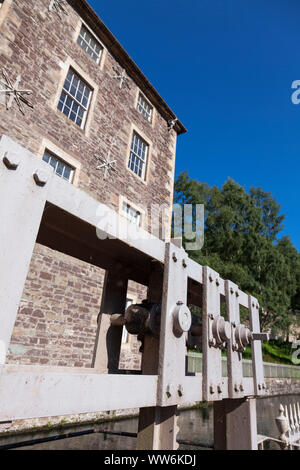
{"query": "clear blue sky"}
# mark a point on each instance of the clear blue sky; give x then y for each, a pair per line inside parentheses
(225, 67)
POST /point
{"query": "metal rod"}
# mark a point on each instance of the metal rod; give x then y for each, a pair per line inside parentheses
(69, 435)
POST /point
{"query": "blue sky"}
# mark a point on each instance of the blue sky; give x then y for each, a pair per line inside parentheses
(226, 68)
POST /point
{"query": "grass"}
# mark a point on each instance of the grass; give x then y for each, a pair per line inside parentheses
(274, 351)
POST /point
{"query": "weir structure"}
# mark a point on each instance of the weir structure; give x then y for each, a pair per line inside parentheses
(37, 206)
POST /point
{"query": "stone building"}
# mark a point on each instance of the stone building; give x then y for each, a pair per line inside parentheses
(96, 119)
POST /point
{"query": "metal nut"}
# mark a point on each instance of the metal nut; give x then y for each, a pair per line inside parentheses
(40, 177)
(170, 390)
(11, 160)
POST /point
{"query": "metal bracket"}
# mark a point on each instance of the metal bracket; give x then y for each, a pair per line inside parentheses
(234, 356)
(257, 360)
(175, 321)
(213, 384)
(14, 93)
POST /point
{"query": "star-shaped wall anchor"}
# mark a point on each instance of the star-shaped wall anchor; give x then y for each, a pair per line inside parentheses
(121, 76)
(171, 124)
(13, 92)
(58, 6)
(107, 164)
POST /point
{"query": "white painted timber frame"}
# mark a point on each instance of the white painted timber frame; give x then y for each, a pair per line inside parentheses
(27, 185)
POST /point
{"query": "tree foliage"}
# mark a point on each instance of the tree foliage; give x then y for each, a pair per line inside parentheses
(242, 243)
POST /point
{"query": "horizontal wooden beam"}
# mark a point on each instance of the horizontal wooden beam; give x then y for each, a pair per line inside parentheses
(34, 393)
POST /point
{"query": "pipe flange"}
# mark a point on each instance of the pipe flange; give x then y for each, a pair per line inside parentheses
(182, 319)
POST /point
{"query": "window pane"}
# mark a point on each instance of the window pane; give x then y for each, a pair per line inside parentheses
(59, 166)
(90, 44)
(74, 98)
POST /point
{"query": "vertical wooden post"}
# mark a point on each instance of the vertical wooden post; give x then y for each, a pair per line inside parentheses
(22, 204)
(157, 426)
(235, 424)
(108, 340)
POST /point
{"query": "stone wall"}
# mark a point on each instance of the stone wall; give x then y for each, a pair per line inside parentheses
(57, 320)
(56, 324)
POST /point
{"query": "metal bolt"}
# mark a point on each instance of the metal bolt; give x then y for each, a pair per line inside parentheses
(211, 390)
(11, 161)
(237, 293)
(264, 386)
(179, 302)
(217, 282)
(174, 258)
(231, 290)
(180, 390)
(259, 386)
(241, 388)
(184, 263)
(253, 304)
(219, 388)
(170, 390)
(40, 177)
(236, 388)
(210, 278)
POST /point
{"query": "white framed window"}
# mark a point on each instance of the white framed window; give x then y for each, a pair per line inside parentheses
(131, 214)
(138, 156)
(144, 108)
(90, 44)
(75, 98)
(60, 168)
(125, 334)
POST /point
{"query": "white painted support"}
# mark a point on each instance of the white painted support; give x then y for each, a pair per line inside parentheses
(21, 209)
(235, 424)
(257, 359)
(195, 271)
(108, 340)
(213, 383)
(234, 358)
(105, 220)
(35, 394)
(157, 426)
(172, 346)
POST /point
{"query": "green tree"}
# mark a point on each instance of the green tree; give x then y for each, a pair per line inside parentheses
(241, 243)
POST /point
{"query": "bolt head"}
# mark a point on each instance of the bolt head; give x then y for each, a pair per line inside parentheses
(40, 177)
(184, 263)
(219, 388)
(236, 388)
(11, 160)
(174, 257)
(241, 388)
(211, 390)
(180, 390)
(170, 390)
